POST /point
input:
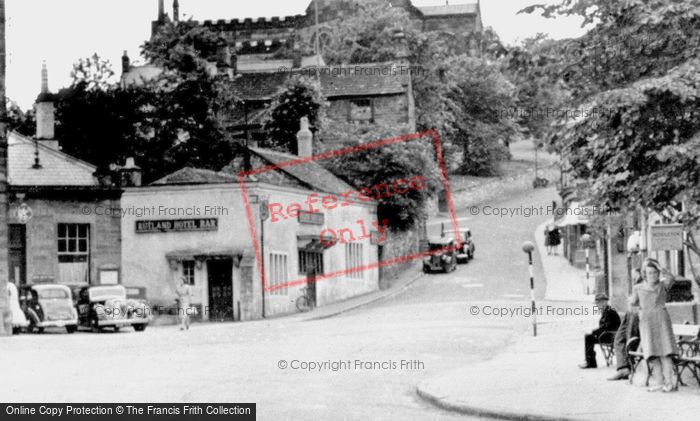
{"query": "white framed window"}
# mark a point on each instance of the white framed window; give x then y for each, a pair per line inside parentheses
(278, 273)
(361, 110)
(354, 258)
(74, 253)
(188, 271)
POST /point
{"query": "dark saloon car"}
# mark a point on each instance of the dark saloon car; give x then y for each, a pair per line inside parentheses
(443, 258)
(101, 306)
(48, 305)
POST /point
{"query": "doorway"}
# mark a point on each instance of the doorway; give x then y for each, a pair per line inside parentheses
(17, 254)
(220, 290)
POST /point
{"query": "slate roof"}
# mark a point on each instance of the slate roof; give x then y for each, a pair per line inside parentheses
(189, 175)
(336, 81)
(451, 9)
(57, 168)
(310, 173)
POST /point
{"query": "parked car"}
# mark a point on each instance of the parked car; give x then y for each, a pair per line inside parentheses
(465, 252)
(48, 305)
(445, 260)
(19, 320)
(101, 306)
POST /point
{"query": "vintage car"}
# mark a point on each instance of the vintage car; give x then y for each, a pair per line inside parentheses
(101, 306)
(465, 252)
(443, 257)
(48, 305)
(19, 320)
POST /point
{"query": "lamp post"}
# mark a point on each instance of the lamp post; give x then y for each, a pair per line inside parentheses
(264, 215)
(528, 247)
(586, 240)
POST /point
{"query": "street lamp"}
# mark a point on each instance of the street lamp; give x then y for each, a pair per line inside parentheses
(528, 247)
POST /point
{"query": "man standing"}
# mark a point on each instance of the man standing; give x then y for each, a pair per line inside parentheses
(184, 297)
(609, 321)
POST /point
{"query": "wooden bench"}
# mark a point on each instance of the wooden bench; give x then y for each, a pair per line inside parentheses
(688, 357)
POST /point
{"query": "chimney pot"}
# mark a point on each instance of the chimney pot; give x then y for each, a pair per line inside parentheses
(126, 63)
(304, 139)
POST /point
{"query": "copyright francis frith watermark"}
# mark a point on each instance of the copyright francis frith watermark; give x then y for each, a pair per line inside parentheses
(316, 204)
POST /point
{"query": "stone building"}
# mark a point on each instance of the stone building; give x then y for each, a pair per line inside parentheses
(60, 223)
(201, 225)
(265, 37)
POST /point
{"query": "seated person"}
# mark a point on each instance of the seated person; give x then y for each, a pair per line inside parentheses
(609, 321)
(628, 329)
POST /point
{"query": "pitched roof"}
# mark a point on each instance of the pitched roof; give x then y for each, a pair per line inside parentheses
(336, 81)
(189, 175)
(450, 9)
(57, 168)
(310, 173)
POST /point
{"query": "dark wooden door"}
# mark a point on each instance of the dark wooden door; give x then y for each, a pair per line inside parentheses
(17, 250)
(220, 290)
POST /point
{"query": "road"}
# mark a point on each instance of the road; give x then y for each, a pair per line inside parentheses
(429, 324)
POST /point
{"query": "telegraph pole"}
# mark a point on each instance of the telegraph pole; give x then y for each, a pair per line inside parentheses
(5, 315)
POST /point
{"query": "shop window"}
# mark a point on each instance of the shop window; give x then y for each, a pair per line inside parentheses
(73, 253)
(188, 271)
(354, 260)
(361, 110)
(310, 260)
(278, 273)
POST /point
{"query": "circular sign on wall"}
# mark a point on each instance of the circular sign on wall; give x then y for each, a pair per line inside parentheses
(24, 213)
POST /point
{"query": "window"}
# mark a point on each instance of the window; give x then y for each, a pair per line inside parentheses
(361, 110)
(278, 273)
(73, 242)
(73, 253)
(309, 260)
(354, 260)
(188, 271)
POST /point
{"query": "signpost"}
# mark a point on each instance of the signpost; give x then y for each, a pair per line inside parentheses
(528, 247)
(665, 237)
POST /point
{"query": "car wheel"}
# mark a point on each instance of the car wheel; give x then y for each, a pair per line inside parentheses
(140, 328)
(116, 329)
(16, 330)
(71, 328)
(426, 270)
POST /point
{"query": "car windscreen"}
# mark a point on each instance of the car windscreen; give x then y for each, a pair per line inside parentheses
(437, 246)
(52, 293)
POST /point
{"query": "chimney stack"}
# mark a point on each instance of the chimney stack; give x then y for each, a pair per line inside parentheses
(304, 139)
(176, 11)
(126, 63)
(45, 110)
(130, 174)
(161, 10)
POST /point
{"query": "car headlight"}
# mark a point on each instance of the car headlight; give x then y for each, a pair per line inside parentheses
(445, 257)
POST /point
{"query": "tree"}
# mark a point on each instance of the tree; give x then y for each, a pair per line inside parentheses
(94, 72)
(634, 75)
(24, 122)
(300, 97)
(386, 164)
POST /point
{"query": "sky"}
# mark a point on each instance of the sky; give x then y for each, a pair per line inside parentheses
(62, 31)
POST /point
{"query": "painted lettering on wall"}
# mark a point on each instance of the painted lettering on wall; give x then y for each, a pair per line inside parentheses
(177, 225)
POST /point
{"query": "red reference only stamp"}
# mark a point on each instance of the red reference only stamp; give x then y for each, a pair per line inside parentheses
(342, 217)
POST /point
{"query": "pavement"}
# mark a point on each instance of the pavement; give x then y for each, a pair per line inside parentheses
(537, 377)
(398, 285)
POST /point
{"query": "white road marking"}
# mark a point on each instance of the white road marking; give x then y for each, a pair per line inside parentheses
(472, 285)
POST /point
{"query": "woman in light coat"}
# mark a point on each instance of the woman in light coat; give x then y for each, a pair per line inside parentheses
(657, 340)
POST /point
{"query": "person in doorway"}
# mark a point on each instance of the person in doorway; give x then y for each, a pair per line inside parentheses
(657, 340)
(554, 238)
(629, 328)
(184, 302)
(609, 321)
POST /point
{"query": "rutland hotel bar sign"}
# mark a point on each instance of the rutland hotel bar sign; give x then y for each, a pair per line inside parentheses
(177, 225)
